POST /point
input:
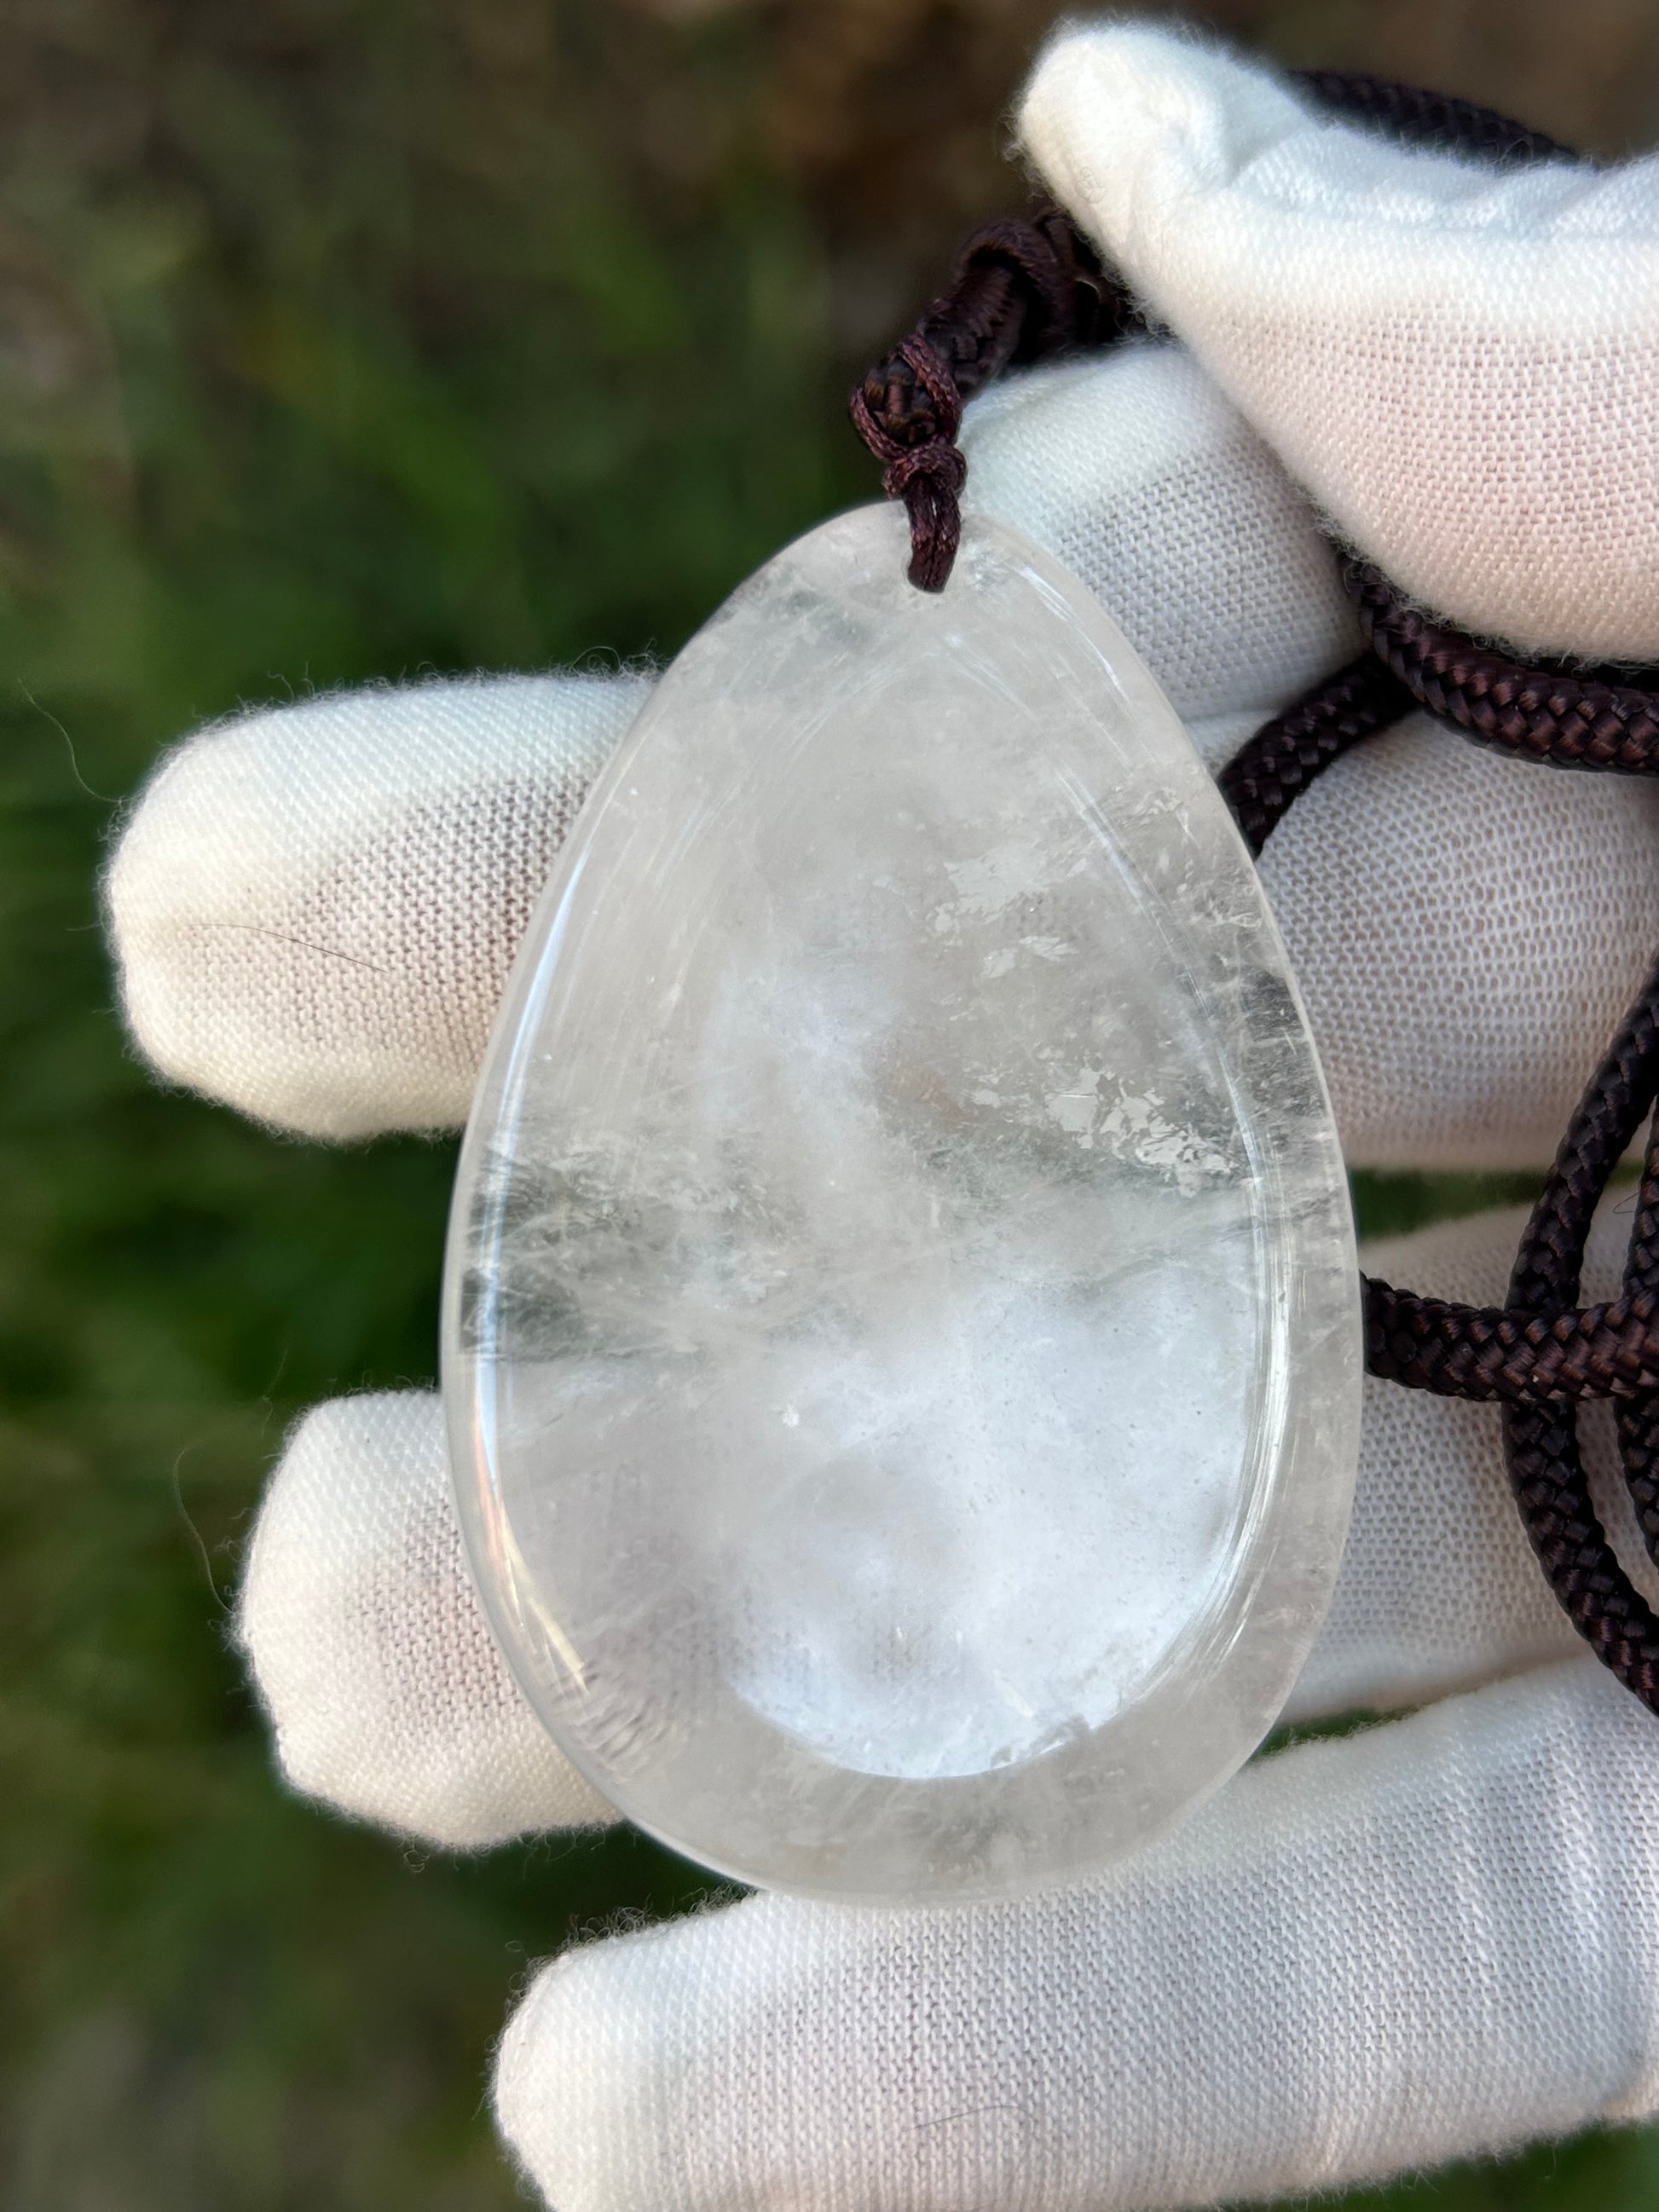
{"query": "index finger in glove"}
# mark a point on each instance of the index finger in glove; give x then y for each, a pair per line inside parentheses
(314, 909)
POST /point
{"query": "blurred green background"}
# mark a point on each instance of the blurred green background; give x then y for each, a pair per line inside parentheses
(342, 341)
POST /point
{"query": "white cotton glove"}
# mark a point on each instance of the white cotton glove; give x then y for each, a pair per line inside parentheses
(1461, 365)
(1431, 1940)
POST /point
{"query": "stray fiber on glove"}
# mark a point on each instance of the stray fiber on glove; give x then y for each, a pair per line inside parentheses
(1459, 363)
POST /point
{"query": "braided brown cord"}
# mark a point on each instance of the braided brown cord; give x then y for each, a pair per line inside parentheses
(1538, 1350)
(1430, 118)
(1541, 1352)
(1522, 1356)
(1023, 290)
(1543, 714)
(1540, 1443)
(1639, 1417)
(926, 474)
(1285, 756)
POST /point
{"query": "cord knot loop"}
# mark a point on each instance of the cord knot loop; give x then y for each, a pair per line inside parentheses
(924, 466)
(1021, 290)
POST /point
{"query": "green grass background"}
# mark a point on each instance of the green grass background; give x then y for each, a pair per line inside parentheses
(347, 342)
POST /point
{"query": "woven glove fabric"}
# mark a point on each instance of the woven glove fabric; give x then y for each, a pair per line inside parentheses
(1460, 364)
(314, 910)
(1142, 479)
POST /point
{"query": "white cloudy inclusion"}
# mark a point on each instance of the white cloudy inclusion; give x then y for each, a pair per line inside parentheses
(902, 1340)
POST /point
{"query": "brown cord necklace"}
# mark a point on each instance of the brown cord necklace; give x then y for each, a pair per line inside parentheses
(1027, 290)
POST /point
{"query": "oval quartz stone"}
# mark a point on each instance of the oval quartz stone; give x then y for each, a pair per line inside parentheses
(902, 1343)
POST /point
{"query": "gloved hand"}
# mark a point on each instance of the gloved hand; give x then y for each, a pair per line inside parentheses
(1436, 1937)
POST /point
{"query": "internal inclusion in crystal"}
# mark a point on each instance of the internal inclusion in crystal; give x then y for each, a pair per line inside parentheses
(902, 1339)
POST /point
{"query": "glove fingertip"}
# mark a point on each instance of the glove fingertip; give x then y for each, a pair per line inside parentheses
(360, 1624)
(1178, 113)
(313, 908)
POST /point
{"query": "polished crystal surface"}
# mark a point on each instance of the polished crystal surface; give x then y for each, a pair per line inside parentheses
(902, 1336)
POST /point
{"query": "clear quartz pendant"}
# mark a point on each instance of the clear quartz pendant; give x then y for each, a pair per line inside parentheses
(901, 1340)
